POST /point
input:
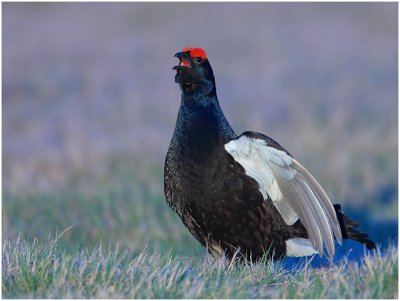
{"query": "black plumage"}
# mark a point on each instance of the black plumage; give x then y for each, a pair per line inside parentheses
(220, 204)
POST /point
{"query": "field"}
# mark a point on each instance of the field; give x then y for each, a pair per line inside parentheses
(34, 270)
(89, 106)
(105, 242)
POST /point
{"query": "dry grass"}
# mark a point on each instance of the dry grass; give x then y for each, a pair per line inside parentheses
(41, 270)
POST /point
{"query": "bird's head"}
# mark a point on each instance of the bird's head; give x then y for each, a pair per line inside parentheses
(194, 71)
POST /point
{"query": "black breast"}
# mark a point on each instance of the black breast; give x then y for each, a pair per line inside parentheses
(220, 205)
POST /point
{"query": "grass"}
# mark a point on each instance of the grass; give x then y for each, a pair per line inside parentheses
(42, 270)
(126, 207)
(124, 242)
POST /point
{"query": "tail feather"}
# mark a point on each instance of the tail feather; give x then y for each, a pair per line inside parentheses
(348, 226)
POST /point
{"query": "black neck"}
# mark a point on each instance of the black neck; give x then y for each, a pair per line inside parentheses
(201, 125)
(198, 92)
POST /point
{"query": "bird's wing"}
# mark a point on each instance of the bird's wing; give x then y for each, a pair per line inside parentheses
(293, 190)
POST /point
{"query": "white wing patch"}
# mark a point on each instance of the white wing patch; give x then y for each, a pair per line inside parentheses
(292, 189)
(265, 166)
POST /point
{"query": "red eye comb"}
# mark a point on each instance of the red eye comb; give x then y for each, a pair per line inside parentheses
(195, 52)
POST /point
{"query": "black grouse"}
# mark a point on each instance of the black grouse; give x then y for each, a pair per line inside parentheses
(243, 194)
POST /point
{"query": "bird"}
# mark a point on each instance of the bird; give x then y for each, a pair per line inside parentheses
(243, 194)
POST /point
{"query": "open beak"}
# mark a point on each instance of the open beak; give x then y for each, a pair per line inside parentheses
(184, 60)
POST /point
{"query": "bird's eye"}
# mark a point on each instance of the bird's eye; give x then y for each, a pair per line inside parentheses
(198, 59)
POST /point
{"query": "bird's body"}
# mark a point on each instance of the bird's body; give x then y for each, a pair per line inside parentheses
(239, 193)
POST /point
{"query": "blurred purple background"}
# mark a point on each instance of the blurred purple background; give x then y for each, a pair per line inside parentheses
(86, 84)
